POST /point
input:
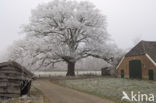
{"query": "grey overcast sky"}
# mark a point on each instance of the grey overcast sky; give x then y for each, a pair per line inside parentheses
(127, 19)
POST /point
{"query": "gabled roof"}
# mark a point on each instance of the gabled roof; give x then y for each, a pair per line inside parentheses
(18, 66)
(142, 48)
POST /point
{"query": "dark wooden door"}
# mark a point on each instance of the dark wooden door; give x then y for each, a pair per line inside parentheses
(135, 70)
(122, 73)
(151, 75)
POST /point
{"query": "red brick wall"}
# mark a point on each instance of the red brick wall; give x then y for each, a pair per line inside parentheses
(145, 62)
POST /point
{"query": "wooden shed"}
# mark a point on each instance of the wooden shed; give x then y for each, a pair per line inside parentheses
(139, 62)
(15, 80)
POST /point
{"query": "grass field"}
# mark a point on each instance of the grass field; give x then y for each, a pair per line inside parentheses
(110, 88)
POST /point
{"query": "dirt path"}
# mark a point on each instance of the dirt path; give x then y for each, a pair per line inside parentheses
(58, 94)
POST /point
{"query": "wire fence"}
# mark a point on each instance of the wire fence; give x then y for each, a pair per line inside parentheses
(63, 74)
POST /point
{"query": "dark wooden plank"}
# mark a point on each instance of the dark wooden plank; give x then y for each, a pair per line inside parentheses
(10, 90)
(10, 71)
(12, 74)
(15, 78)
(10, 95)
(2, 84)
(9, 80)
(7, 68)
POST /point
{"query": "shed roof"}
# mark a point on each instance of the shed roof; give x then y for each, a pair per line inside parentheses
(16, 65)
(142, 48)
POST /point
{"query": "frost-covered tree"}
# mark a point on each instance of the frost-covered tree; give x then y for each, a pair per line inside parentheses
(30, 52)
(71, 31)
(23, 51)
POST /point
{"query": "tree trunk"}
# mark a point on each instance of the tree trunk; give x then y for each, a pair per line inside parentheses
(71, 69)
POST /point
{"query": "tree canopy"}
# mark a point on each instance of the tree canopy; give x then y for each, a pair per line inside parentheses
(64, 30)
